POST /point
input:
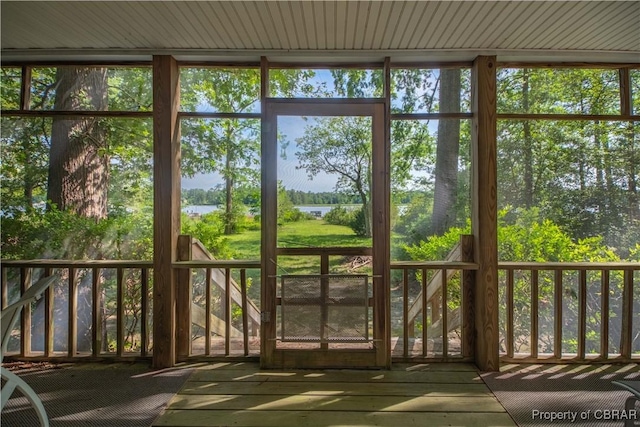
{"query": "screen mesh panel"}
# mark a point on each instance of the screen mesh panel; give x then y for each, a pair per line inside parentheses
(325, 308)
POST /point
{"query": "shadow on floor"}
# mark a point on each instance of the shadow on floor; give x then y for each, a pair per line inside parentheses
(574, 394)
(95, 394)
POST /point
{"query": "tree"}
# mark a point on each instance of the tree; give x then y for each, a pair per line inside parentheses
(341, 146)
(78, 164)
(229, 147)
(447, 152)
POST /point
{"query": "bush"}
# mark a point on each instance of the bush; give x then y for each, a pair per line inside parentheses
(64, 235)
(358, 224)
(209, 229)
(294, 214)
(339, 216)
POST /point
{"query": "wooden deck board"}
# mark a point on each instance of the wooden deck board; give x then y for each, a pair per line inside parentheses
(241, 394)
(349, 389)
(334, 402)
(340, 376)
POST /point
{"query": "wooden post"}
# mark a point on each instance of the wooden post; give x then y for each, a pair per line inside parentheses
(467, 305)
(269, 213)
(183, 299)
(166, 205)
(626, 104)
(484, 211)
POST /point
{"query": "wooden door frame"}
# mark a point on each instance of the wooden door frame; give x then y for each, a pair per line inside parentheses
(380, 356)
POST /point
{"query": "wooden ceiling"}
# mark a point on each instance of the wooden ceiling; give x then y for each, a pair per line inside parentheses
(323, 30)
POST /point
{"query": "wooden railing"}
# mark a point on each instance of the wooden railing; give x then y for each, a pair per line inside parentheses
(100, 295)
(438, 307)
(570, 311)
(215, 322)
(550, 312)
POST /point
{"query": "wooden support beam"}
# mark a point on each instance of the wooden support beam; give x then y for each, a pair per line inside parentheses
(166, 205)
(484, 211)
(626, 104)
(183, 299)
(269, 213)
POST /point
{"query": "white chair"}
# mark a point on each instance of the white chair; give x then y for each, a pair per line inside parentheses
(8, 317)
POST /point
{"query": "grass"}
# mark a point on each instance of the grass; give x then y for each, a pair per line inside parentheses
(306, 233)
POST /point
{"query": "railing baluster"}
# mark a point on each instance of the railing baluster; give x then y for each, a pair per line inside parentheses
(72, 338)
(120, 312)
(227, 311)
(582, 314)
(534, 313)
(96, 315)
(557, 315)
(144, 293)
(48, 316)
(25, 320)
(509, 296)
(207, 304)
(604, 317)
(245, 316)
(405, 312)
(424, 312)
(627, 316)
(5, 288)
(445, 315)
(324, 297)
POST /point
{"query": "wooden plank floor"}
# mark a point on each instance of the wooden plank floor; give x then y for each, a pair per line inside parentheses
(241, 394)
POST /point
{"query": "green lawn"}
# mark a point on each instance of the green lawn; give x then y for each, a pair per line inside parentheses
(307, 233)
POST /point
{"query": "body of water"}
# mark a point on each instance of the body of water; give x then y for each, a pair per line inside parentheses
(204, 209)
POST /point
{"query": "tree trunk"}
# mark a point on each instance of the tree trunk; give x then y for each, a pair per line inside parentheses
(78, 165)
(528, 144)
(229, 220)
(446, 174)
(632, 160)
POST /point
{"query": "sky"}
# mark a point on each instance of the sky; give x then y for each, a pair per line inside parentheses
(290, 127)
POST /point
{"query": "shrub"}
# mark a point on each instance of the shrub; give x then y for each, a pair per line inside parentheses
(339, 216)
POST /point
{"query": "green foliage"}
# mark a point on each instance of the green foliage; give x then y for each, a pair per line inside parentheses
(58, 234)
(359, 223)
(437, 247)
(339, 215)
(523, 235)
(209, 229)
(286, 211)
